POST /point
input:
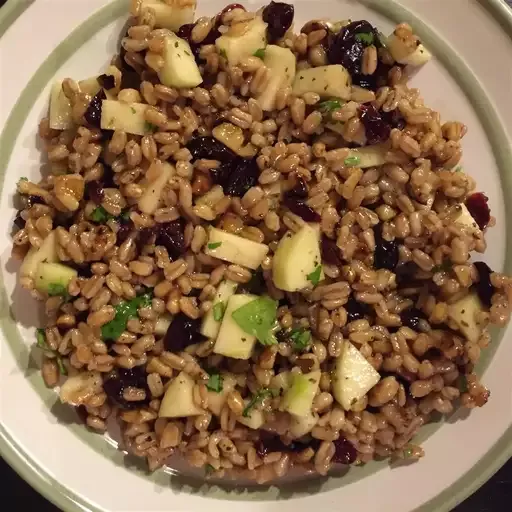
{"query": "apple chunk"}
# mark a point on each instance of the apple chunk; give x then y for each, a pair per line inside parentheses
(178, 401)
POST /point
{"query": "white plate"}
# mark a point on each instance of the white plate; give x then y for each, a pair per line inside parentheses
(469, 80)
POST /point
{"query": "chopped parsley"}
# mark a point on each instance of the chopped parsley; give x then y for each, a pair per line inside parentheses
(260, 53)
(223, 53)
(215, 382)
(57, 289)
(258, 318)
(352, 161)
(41, 343)
(41, 339)
(214, 245)
(257, 398)
(327, 107)
(444, 267)
(218, 311)
(365, 38)
(209, 469)
(124, 311)
(314, 277)
(149, 127)
(462, 384)
(176, 44)
(133, 110)
(300, 338)
(100, 215)
(458, 168)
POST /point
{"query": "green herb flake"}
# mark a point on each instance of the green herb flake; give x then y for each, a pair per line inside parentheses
(149, 127)
(124, 311)
(352, 161)
(327, 107)
(41, 339)
(301, 338)
(458, 168)
(126, 215)
(258, 318)
(100, 215)
(57, 289)
(176, 44)
(209, 469)
(257, 398)
(408, 453)
(223, 53)
(365, 38)
(60, 363)
(215, 382)
(462, 384)
(187, 53)
(218, 311)
(23, 178)
(314, 277)
(444, 267)
(214, 245)
(260, 53)
(133, 110)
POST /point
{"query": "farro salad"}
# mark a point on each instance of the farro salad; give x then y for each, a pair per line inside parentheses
(254, 244)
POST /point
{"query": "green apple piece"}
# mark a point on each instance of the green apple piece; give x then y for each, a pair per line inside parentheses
(53, 278)
(464, 314)
(127, 117)
(303, 425)
(282, 65)
(465, 218)
(255, 418)
(236, 48)
(216, 400)
(210, 326)
(235, 249)
(298, 399)
(180, 69)
(47, 253)
(232, 341)
(168, 16)
(353, 376)
(369, 156)
(402, 53)
(150, 198)
(296, 257)
(327, 81)
(162, 324)
(61, 117)
(178, 401)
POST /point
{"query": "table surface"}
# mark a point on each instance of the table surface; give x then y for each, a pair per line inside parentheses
(492, 497)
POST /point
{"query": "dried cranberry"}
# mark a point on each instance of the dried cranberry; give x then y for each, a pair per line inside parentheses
(394, 118)
(31, 200)
(94, 191)
(93, 113)
(19, 221)
(300, 189)
(172, 236)
(269, 443)
(107, 81)
(405, 274)
(356, 310)
(279, 17)
(376, 128)
(240, 176)
(182, 332)
(115, 385)
(125, 228)
(347, 48)
(231, 7)
(257, 284)
(484, 287)
(210, 148)
(411, 318)
(345, 452)
(478, 207)
(330, 251)
(297, 206)
(386, 252)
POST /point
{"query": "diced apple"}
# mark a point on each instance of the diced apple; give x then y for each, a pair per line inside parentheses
(216, 400)
(61, 117)
(162, 324)
(300, 426)
(282, 65)
(54, 278)
(353, 376)
(464, 313)
(402, 53)
(168, 16)
(210, 327)
(235, 249)
(180, 69)
(465, 218)
(298, 399)
(327, 81)
(296, 257)
(236, 48)
(255, 418)
(232, 341)
(178, 401)
(150, 198)
(128, 117)
(90, 86)
(47, 253)
(370, 156)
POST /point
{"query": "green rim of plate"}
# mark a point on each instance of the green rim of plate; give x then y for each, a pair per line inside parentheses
(61, 496)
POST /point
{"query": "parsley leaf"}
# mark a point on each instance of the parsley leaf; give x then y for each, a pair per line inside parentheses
(57, 289)
(100, 215)
(149, 127)
(300, 338)
(257, 398)
(327, 107)
(444, 267)
(314, 277)
(365, 38)
(351, 161)
(215, 382)
(209, 469)
(124, 311)
(60, 363)
(260, 53)
(214, 245)
(258, 318)
(223, 53)
(218, 311)
(41, 343)
(41, 339)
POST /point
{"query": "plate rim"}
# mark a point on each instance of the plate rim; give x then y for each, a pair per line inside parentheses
(67, 500)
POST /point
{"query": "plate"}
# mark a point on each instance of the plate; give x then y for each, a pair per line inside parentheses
(468, 80)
